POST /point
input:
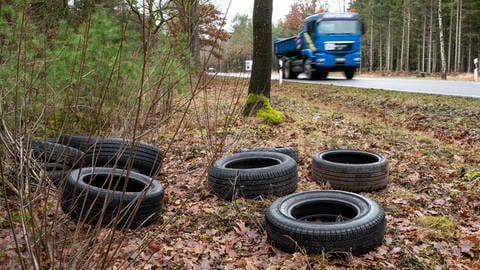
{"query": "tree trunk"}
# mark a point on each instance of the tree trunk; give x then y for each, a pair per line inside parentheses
(371, 40)
(403, 39)
(260, 78)
(430, 43)
(389, 43)
(442, 44)
(370, 68)
(424, 39)
(194, 38)
(407, 51)
(380, 53)
(434, 60)
(450, 30)
(469, 58)
(458, 36)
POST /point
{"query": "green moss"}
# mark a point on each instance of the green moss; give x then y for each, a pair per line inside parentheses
(439, 227)
(261, 105)
(469, 176)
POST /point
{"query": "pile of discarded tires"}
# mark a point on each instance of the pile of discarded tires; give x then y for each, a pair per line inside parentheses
(312, 221)
(104, 181)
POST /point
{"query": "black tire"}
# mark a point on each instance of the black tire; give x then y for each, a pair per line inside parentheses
(289, 151)
(50, 152)
(57, 172)
(77, 141)
(253, 175)
(116, 152)
(349, 74)
(310, 221)
(351, 170)
(95, 195)
(322, 75)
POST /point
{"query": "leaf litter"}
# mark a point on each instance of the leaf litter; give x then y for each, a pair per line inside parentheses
(431, 142)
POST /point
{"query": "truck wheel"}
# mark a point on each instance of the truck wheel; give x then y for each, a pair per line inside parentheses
(322, 75)
(349, 74)
(325, 221)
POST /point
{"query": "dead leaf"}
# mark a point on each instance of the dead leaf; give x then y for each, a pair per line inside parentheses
(467, 244)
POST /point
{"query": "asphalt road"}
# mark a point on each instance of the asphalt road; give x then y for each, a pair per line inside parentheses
(439, 87)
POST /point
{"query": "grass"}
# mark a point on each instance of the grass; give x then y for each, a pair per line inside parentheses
(438, 227)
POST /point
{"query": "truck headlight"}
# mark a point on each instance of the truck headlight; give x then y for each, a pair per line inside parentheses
(321, 60)
(358, 59)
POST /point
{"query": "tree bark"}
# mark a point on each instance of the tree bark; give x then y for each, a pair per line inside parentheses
(430, 43)
(400, 67)
(450, 31)
(389, 42)
(260, 79)
(424, 39)
(458, 36)
(407, 51)
(442, 44)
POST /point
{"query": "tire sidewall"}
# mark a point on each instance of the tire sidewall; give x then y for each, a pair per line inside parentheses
(82, 200)
(380, 165)
(366, 210)
(284, 161)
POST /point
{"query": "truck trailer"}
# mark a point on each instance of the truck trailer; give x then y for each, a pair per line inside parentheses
(327, 42)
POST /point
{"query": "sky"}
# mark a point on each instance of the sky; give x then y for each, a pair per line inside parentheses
(280, 8)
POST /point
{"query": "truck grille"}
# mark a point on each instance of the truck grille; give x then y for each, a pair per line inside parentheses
(338, 46)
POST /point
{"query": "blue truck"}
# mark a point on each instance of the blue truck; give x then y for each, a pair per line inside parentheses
(327, 42)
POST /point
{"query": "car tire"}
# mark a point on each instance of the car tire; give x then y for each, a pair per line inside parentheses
(117, 152)
(80, 142)
(57, 172)
(94, 195)
(309, 221)
(289, 151)
(350, 170)
(253, 175)
(49, 152)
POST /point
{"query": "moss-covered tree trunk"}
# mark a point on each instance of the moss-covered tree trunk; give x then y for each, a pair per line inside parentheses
(262, 54)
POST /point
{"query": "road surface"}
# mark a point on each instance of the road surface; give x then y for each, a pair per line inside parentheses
(439, 87)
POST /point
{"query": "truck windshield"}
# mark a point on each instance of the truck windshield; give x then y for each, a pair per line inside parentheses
(338, 27)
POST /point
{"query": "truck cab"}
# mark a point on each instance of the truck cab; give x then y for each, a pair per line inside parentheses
(327, 42)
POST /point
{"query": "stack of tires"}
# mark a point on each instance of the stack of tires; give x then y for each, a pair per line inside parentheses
(313, 221)
(104, 181)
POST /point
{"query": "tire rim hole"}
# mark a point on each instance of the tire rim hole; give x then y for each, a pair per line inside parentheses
(324, 212)
(114, 182)
(252, 163)
(351, 158)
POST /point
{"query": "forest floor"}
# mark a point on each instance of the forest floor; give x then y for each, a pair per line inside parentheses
(432, 201)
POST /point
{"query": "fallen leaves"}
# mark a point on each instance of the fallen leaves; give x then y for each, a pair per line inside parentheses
(433, 172)
(470, 245)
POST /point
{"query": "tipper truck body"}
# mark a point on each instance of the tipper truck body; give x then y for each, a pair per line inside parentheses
(327, 42)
